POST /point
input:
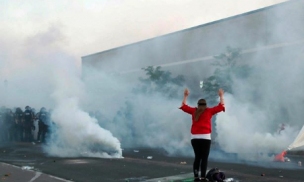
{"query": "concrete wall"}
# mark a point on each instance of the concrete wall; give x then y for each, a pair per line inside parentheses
(270, 29)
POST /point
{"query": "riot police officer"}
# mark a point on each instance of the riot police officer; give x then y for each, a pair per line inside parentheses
(28, 119)
(19, 124)
(43, 124)
(9, 123)
(2, 129)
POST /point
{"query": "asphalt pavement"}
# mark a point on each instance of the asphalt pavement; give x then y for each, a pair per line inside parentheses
(27, 162)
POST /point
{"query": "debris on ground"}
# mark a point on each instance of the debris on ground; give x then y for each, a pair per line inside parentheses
(299, 163)
(142, 178)
(33, 143)
(281, 176)
(27, 168)
(262, 174)
(183, 163)
(229, 180)
(136, 151)
(149, 157)
(7, 175)
(286, 159)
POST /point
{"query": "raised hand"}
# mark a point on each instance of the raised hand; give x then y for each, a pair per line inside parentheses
(186, 92)
(221, 92)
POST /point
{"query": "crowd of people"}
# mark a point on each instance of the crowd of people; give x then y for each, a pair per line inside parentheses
(17, 125)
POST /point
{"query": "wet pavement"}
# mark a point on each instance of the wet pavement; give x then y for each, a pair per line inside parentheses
(134, 167)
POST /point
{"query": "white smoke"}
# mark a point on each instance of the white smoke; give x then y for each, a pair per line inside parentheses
(41, 74)
(138, 119)
(77, 134)
(241, 130)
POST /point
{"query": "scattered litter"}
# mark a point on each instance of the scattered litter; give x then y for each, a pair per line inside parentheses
(229, 180)
(142, 178)
(183, 163)
(136, 150)
(33, 143)
(262, 174)
(149, 157)
(25, 156)
(281, 176)
(280, 171)
(27, 168)
(3, 151)
(7, 175)
(299, 163)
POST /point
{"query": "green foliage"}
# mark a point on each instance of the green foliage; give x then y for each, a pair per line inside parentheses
(159, 81)
(228, 68)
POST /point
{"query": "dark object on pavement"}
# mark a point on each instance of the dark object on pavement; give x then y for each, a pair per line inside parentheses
(215, 175)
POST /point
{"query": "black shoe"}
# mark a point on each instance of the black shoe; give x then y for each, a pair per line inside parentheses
(204, 180)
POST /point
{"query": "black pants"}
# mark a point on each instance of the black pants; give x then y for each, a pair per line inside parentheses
(201, 149)
(43, 130)
(28, 137)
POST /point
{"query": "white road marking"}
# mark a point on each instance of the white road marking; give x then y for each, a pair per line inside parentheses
(59, 178)
(36, 176)
(37, 173)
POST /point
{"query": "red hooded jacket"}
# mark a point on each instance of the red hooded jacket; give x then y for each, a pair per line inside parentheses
(203, 125)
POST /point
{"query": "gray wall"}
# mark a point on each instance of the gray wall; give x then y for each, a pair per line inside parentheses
(269, 29)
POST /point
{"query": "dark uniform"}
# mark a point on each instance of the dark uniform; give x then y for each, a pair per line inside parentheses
(2, 130)
(19, 124)
(9, 123)
(28, 119)
(43, 123)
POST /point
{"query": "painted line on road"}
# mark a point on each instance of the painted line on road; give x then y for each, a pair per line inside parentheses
(37, 173)
(61, 179)
(172, 178)
(36, 176)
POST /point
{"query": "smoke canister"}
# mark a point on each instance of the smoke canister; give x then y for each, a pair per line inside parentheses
(300, 163)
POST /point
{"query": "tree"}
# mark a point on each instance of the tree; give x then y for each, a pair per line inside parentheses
(159, 81)
(227, 69)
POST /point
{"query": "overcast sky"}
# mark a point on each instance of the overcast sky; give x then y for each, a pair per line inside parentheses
(90, 26)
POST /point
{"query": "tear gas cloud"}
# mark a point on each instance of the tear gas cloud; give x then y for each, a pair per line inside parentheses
(137, 119)
(51, 78)
(270, 96)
